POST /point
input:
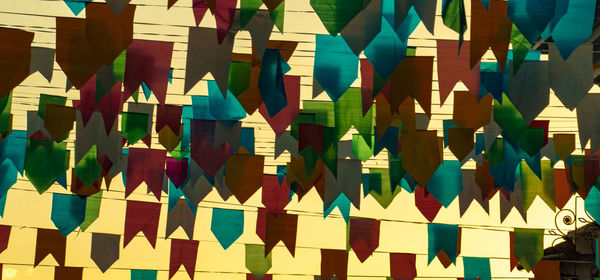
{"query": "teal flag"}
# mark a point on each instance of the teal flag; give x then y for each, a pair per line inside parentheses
(143, 274)
(68, 212)
(442, 237)
(227, 225)
(446, 183)
(477, 268)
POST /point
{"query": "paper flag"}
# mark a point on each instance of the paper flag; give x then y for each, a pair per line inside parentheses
(563, 190)
(256, 261)
(592, 203)
(427, 204)
(574, 26)
(15, 54)
(528, 246)
(334, 262)
(181, 216)
(442, 238)
(141, 217)
(260, 28)
(4, 237)
(347, 183)
(145, 165)
(68, 212)
(472, 192)
(183, 252)
(281, 227)
(571, 79)
(177, 171)
(92, 210)
(118, 5)
(387, 49)
(470, 113)
(364, 237)
(110, 105)
(547, 269)
(520, 50)
(42, 61)
(490, 29)
(335, 16)
(510, 200)
(454, 16)
(134, 126)
(68, 273)
(45, 162)
(531, 17)
(421, 154)
(413, 78)
(280, 121)
(336, 66)
(477, 268)
(532, 186)
(248, 8)
(271, 82)
(446, 183)
(227, 225)
(453, 68)
(170, 116)
(363, 28)
(107, 32)
(244, 174)
(148, 62)
(105, 249)
(207, 55)
(275, 195)
(587, 123)
(13, 148)
(403, 266)
(530, 88)
(252, 277)
(380, 187)
(74, 55)
(49, 241)
(564, 144)
(143, 274)
(509, 119)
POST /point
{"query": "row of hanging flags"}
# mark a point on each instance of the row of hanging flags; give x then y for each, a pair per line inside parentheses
(205, 145)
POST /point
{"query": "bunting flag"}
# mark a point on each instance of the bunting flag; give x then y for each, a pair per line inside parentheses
(256, 261)
(15, 54)
(334, 16)
(4, 237)
(281, 227)
(68, 212)
(334, 262)
(364, 237)
(105, 249)
(528, 247)
(244, 174)
(427, 204)
(477, 268)
(547, 269)
(68, 273)
(183, 252)
(227, 225)
(137, 274)
(154, 75)
(403, 266)
(145, 165)
(334, 57)
(141, 217)
(48, 242)
(181, 216)
(453, 68)
(444, 239)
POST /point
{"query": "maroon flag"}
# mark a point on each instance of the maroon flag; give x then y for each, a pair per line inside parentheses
(183, 252)
(334, 262)
(50, 241)
(275, 196)
(145, 165)
(148, 62)
(286, 116)
(141, 217)
(364, 237)
(4, 237)
(281, 227)
(427, 204)
(454, 66)
(402, 266)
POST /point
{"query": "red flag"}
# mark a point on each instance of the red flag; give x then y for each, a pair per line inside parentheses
(402, 266)
(427, 204)
(183, 252)
(286, 116)
(334, 262)
(149, 62)
(364, 237)
(275, 196)
(145, 165)
(141, 216)
(281, 227)
(4, 236)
